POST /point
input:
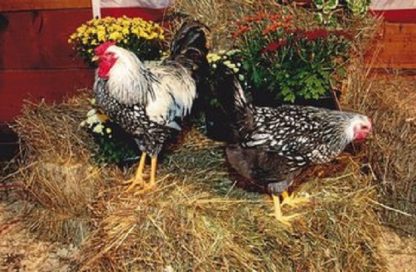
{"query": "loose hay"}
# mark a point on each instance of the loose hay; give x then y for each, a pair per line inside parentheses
(195, 219)
(390, 101)
(219, 14)
(55, 171)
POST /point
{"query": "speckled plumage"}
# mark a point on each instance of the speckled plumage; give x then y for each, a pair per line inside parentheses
(301, 134)
(147, 100)
(272, 145)
(150, 136)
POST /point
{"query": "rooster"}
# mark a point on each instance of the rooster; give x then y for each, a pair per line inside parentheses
(147, 101)
(270, 146)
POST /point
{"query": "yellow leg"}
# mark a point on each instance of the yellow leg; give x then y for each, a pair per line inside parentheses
(277, 207)
(292, 200)
(152, 183)
(138, 178)
(153, 171)
(285, 220)
(285, 195)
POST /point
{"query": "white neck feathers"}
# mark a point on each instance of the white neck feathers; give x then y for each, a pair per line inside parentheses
(126, 81)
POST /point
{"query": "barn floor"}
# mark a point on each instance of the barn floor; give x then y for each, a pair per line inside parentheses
(20, 250)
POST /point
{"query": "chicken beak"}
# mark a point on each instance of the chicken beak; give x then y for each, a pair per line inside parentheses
(95, 58)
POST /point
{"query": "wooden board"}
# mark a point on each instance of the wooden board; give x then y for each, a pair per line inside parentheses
(396, 48)
(36, 60)
(51, 85)
(39, 39)
(19, 5)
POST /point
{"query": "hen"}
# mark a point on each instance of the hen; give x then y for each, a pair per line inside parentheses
(147, 100)
(271, 146)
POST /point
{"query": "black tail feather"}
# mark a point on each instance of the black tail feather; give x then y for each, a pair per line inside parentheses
(189, 48)
(237, 113)
(190, 35)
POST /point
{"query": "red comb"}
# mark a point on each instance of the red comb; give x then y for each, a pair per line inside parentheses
(99, 50)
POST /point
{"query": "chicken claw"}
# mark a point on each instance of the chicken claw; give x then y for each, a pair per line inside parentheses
(293, 200)
(284, 219)
(138, 178)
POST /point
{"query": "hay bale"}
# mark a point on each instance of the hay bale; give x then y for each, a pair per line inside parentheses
(390, 102)
(55, 129)
(197, 220)
(218, 15)
(55, 172)
(58, 198)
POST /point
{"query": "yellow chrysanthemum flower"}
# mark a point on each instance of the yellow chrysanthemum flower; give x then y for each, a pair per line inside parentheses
(101, 36)
(213, 57)
(125, 31)
(122, 30)
(115, 36)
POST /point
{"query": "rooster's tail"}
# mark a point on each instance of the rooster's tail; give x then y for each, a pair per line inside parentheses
(191, 35)
(189, 47)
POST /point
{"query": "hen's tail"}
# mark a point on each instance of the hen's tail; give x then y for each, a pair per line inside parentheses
(234, 107)
(189, 47)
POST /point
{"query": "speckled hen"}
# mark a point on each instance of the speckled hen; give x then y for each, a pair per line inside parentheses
(272, 145)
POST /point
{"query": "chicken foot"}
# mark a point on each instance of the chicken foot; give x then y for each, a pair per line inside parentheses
(285, 220)
(137, 180)
(293, 200)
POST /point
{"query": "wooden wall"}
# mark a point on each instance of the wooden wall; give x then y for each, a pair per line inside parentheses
(396, 48)
(36, 61)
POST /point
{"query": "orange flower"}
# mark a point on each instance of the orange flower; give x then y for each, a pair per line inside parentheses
(241, 30)
(271, 28)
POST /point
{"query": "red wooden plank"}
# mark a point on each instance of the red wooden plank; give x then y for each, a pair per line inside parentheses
(396, 48)
(51, 85)
(19, 5)
(39, 39)
(397, 16)
(397, 29)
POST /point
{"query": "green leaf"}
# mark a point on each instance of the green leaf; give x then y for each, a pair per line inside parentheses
(332, 4)
(319, 3)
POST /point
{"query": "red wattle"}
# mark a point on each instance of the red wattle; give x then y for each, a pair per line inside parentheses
(104, 68)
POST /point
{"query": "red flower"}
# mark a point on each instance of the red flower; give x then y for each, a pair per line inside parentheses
(315, 34)
(274, 46)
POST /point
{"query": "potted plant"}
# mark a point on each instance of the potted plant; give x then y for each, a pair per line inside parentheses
(331, 12)
(287, 62)
(144, 38)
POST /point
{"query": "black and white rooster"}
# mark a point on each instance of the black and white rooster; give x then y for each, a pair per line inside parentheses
(271, 146)
(146, 101)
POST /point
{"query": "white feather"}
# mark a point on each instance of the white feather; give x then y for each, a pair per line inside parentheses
(171, 94)
(126, 82)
